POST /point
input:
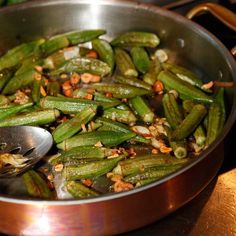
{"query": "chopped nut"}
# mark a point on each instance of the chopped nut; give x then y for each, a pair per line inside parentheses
(158, 87)
(58, 167)
(208, 85)
(98, 144)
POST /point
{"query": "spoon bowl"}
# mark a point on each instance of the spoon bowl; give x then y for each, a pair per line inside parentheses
(31, 143)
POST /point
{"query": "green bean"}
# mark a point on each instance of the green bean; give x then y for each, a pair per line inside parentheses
(185, 90)
(120, 90)
(72, 126)
(136, 39)
(107, 138)
(141, 107)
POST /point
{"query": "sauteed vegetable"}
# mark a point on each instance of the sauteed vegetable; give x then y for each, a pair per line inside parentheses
(122, 114)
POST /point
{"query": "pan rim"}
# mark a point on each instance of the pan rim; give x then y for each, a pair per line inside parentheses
(178, 18)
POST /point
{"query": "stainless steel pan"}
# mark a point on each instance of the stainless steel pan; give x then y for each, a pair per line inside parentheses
(117, 213)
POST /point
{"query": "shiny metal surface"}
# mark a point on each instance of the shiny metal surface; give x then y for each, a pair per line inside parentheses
(122, 212)
(31, 142)
(223, 14)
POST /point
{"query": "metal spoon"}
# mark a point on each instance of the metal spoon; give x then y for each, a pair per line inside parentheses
(32, 143)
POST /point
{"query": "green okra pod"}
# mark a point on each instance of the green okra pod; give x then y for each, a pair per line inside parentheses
(199, 133)
(81, 152)
(58, 58)
(105, 52)
(124, 63)
(53, 88)
(101, 97)
(123, 116)
(20, 81)
(54, 44)
(136, 39)
(172, 111)
(107, 138)
(120, 90)
(140, 59)
(9, 111)
(214, 124)
(133, 82)
(156, 173)
(84, 65)
(190, 123)
(72, 126)
(73, 105)
(15, 55)
(179, 147)
(184, 74)
(4, 101)
(5, 75)
(219, 98)
(90, 170)
(185, 90)
(200, 136)
(108, 124)
(83, 36)
(154, 69)
(41, 117)
(141, 163)
(36, 185)
(78, 190)
(142, 109)
(144, 182)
